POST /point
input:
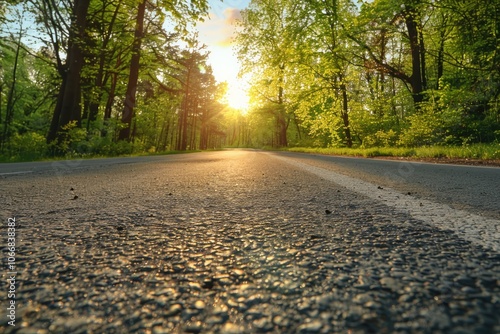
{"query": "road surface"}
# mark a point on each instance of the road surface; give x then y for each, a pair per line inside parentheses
(245, 241)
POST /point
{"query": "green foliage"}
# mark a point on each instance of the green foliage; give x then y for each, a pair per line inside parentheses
(421, 130)
(381, 139)
(26, 147)
(475, 151)
(72, 140)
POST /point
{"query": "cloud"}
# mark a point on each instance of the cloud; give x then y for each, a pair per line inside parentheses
(219, 30)
(232, 15)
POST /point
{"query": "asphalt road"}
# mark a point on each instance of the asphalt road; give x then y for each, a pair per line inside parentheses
(247, 241)
(474, 188)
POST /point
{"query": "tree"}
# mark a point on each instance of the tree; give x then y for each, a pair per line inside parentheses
(394, 19)
(9, 113)
(210, 110)
(263, 48)
(68, 107)
(181, 12)
(129, 102)
(192, 81)
(324, 57)
(104, 44)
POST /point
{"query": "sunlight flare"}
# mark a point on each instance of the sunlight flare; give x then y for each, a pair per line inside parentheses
(237, 98)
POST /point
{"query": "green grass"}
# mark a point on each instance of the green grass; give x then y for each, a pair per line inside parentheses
(475, 151)
(29, 158)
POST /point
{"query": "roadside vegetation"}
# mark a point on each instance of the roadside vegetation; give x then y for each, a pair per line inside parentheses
(474, 151)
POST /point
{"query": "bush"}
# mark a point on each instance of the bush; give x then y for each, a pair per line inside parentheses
(381, 139)
(424, 129)
(71, 141)
(28, 146)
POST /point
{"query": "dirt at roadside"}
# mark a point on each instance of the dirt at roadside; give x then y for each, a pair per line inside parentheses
(456, 161)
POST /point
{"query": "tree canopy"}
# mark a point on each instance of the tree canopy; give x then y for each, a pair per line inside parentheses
(382, 72)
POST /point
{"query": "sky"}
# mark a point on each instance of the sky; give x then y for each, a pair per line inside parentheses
(217, 32)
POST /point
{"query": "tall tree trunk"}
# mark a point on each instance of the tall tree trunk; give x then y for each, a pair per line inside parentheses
(423, 73)
(93, 108)
(129, 103)
(440, 62)
(111, 96)
(54, 124)
(281, 117)
(71, 101)
(204, 132)
(416, 80)
(9, 112)
(86, 107)
(203, 136)
(68, 105)
(183, 117)
(165, 139)
(383, 42)
(345, 112)
(172, 134)
(192, 141)
(282, 130)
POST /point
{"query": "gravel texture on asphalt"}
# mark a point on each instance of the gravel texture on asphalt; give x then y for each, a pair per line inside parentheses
(472, 227)
(233, 242)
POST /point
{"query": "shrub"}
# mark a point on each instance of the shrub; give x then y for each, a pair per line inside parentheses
(28, 146)
(424, 130)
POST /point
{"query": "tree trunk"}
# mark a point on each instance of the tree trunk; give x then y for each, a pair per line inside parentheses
(111, 96)
(68, 105)
(345, 112)
(440, 61)
(282, 129)
(172, 134)
(71, 101)
(382, 56)
(129, 103)
(54, 124)
(86, 107)
(9, 112)
(94, 102)
(281, 118)
(192, 141)
(423, 74)
(183, 117)
(165, 139)
(204, 129)
(416, 81)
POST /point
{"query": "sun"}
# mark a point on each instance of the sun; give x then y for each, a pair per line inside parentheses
(237, 98)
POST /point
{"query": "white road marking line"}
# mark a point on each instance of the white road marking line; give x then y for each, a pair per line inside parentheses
(14, 173)
(471, 227)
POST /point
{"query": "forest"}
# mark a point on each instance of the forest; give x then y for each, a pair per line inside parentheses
(114, 77)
